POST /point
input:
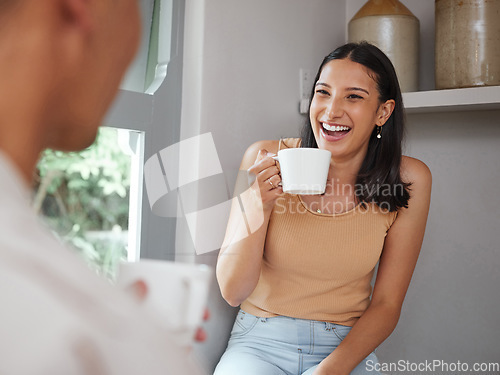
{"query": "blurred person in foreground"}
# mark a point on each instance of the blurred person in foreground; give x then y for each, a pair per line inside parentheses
(61, 62)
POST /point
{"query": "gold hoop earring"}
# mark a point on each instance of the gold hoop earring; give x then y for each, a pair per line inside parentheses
(379, 132)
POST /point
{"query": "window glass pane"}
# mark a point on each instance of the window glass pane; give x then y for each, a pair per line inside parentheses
(149, 68)
(85, 197)
(135, 76)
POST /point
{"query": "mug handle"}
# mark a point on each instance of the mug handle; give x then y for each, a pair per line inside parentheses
(276, 159)
(192, 310)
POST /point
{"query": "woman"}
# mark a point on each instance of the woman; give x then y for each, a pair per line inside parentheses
(303, 275)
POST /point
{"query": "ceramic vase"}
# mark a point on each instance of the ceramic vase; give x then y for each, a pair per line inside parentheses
(394, 29)
(467, 43)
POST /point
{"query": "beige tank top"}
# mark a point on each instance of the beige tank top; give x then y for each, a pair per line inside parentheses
(318, 266)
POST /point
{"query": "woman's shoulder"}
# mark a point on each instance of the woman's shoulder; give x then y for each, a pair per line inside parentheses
(290, 143)
(415, 171)
(268, 145)
(252, 151)
(273, 145)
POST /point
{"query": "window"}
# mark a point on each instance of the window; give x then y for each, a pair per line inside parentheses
(91, 198)
(149, 69)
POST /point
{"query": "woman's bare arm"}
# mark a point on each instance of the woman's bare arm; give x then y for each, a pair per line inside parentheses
(239, 262)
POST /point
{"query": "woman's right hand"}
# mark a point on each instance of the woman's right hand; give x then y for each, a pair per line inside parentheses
(266, 186)
(240, 257)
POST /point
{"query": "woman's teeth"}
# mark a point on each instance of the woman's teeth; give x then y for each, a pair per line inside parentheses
(334, 128)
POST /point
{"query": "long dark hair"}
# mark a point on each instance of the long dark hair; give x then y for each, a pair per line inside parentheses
(379, 179)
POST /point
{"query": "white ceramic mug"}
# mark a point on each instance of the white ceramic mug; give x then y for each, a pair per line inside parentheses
(304, 170)
(176, 293)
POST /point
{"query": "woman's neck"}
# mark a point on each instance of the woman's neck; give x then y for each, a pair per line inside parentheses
(344, 172)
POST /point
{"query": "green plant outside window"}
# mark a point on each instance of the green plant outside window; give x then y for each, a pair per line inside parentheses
(84, 198)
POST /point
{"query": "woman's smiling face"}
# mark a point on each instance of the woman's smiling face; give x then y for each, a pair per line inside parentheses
(345, 109)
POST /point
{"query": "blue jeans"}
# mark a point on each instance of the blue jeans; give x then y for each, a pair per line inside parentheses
(282, 346)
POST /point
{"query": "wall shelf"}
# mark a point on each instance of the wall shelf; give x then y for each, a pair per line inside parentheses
(435, 101)
(467, 99)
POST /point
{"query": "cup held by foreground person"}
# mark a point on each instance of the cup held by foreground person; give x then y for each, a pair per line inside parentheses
(173, 293)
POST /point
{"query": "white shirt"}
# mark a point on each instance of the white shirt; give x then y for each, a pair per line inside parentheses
(56, 316)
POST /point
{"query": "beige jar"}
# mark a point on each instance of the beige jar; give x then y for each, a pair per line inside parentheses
(467, 43)
(394, 29)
